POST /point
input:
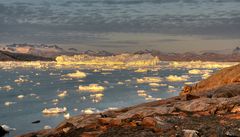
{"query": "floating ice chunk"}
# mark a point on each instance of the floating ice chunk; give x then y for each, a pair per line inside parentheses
(20, 96)
(89, 111)
(21, 80)
(197, 71)
(154, 84)
(63, 94)
(8, 103)
(67, 116)
(83, 98)
(47, 127)
(54, 110)
(154, 89)
(142, 93)
(99, 95)
(77, 74)
(55, 100)
(120, 83)
(7, 128)
(92, 88)
(149, 80)
(205, 76)
(141, 70)
(6, 88)
(175, 78)
(32, 94)
(75, 109)
(171, 86)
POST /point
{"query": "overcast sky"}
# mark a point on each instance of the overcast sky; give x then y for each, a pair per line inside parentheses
(168, 25)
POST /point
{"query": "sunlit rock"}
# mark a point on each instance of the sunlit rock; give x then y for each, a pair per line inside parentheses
(92, 88)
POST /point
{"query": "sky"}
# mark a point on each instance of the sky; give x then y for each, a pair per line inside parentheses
(123, 25)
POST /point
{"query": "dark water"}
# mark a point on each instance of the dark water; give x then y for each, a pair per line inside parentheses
(28, 109)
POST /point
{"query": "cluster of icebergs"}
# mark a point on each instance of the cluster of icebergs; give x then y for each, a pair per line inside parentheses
(201, 64)
(118, 61)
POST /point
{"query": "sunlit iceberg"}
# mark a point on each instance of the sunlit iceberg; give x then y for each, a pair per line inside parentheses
(149, 80)
(175, 78)
(92, 88)
(77, 74)
(122, 60)
(54, 110)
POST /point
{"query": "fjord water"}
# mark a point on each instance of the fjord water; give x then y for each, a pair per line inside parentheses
(44, 85)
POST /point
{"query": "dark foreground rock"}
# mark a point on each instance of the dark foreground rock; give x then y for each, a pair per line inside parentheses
(211, 110)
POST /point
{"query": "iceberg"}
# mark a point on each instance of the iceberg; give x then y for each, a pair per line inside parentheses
(8, 103)
(197, 71)
(175, 78)
(92, 88)
(77, 74)
(6, 88)
(54, 110)
(63, 94)
(154, 84)
(117, 61)
(149, 80)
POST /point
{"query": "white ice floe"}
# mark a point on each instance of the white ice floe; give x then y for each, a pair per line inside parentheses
(198, 71)
(63, 94)
(92, 88)
(142, 93)
(8, 103)
(201, 64)
(47, 127)
(7, 128)
(77, 74)
(20, 96)
(6, 88)
(169, 86)
(149, 80)
(21, 80)
(154, 84)
(66, 116)
(175, 78)
(140, 70)
(189, 83)
(205, 76)
(120, 83)
(54, 110)
(89, 111)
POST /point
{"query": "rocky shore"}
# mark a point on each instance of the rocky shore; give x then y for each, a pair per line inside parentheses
(210, 108)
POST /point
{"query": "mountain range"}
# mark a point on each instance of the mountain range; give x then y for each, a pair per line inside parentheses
(28, 52)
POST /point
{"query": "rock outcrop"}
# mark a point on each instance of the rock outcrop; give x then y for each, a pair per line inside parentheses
(227, 79)
(210, 108)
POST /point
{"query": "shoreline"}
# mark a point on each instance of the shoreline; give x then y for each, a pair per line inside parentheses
(212, 110)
